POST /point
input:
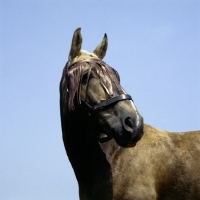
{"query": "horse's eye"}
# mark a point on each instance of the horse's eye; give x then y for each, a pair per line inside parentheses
(85, 77)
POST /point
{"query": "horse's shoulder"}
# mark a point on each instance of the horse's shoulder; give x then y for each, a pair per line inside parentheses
(152, 134)
(178, 143)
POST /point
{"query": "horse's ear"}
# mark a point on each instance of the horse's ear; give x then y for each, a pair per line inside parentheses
(100, 50)
(76, 44)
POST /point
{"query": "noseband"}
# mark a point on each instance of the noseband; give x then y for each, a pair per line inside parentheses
(92, 109)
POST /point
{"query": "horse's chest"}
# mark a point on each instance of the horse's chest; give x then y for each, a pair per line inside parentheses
(128, 185)
(130, 180)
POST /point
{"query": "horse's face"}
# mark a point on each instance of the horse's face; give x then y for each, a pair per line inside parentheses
(119, 120)
(99, 83)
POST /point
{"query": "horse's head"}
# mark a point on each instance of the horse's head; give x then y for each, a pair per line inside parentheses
(94, 91)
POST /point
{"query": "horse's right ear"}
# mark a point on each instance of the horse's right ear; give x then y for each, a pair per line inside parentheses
(101, 49)
(76, 44)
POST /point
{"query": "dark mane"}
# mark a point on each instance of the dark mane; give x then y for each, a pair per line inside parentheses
(74, 73)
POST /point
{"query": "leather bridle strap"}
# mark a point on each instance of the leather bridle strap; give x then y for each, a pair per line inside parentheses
(111, 101)
(105, 103)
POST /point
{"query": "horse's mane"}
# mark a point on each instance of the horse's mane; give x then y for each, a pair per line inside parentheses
(74, 73)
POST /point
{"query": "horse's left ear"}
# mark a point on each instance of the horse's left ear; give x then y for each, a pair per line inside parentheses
(100, 50)
(76, 44)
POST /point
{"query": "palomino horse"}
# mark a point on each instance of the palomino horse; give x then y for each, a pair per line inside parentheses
(99, 121)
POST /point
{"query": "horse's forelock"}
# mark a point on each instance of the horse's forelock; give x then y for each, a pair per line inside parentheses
(74, 74)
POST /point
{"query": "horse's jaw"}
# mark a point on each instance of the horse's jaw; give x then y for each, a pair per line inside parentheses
(123, 143)
(127, 144)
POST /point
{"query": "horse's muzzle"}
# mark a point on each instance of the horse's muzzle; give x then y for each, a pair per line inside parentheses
(131, 134)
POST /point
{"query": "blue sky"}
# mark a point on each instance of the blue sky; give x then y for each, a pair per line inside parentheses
(154, 45)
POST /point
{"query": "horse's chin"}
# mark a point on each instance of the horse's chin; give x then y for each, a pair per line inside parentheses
(130, 145)
(123, 143)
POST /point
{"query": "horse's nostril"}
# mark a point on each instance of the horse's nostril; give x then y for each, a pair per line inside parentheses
(129, 122)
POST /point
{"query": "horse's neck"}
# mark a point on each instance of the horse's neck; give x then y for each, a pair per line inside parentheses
(111, 149)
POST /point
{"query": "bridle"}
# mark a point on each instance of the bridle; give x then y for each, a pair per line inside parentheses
(92, 109)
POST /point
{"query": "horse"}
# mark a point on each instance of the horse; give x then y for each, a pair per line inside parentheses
(114, 154)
